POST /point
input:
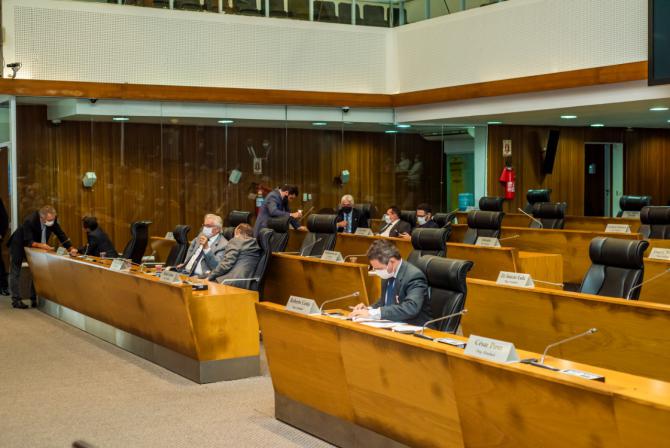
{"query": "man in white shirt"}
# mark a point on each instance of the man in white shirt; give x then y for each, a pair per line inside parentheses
(206, 250)
(393, 225)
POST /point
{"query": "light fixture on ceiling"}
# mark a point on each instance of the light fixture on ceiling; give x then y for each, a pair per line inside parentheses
(658, 109)
(568, 117)
(597, 125)
(390, 131)
(120, 119)
(404, 126)
(494, 122)
(226, 121)
(319, 123)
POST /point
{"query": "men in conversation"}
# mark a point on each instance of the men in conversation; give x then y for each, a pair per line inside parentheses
(206, 250)
(347, 216)
(98, 241)
(240, 257)
(276, 204)
(393, 225)
(404, 288)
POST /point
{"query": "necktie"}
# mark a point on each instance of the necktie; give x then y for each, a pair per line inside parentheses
(44, 234)
(389, 291)
(193, 262)
(348, 218)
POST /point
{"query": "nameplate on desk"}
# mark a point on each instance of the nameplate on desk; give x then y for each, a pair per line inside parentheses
(61, 251)
(169, 236)
(491, 349)
(332, 255)
(515, 279)
(302, 305)
(485, 241)
(658, 253)
(631, 215)
(170, 277)
(617, 228)
(119, 264)
(363, 231)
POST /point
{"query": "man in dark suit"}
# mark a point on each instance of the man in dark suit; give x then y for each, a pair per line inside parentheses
(240, 257)
(394, 226)
(424, 217)
(98, 240)
(34, 232)
(276, 204)
(4, 226)
(347, 216)
(404, 288)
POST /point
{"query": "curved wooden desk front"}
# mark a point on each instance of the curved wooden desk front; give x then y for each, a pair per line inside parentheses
(583, 223)
(217, 327)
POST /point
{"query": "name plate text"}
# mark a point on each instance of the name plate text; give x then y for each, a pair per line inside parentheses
(61, 251)
(170, 277)
(617, 228)
(631, 215)
(491, 349)
(658, 253)
(363, 231)
(515, 279)
(119, 264)
(302, 305)
(486, 241)
(332, 255)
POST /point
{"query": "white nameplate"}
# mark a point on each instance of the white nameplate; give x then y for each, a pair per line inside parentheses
(491, 349)
(486, 241)
(169, 236)
(617, 228)
(631, 215)
(515, 279)
(61, 251)
(302, 305)
(363, 231)
(170, 277)
(119, 264)
(659, 254)
(584, 375)
(332, 255)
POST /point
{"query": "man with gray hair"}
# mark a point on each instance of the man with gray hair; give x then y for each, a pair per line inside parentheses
(347, 216)
(206, 250)
(404, 288)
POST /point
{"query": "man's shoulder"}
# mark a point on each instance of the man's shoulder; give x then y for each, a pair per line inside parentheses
(412, 272)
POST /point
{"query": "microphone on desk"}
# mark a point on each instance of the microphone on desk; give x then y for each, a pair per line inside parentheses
(645, 282)
(309, 246)
(336, 299)
(355, 255)
(549, 283)
(509, 238)
(588, 332)
(86, 250)
(449, 316)
(532, 217)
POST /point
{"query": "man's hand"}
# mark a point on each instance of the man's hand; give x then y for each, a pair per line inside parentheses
(42, 246)
(296, 215)
(360, 313)
(405, 236)
(73, 251)
(360, 306)
(302, 228)
(203, 241)
(342, 224)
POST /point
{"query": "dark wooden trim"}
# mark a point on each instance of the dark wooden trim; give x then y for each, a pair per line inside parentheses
(633, 71)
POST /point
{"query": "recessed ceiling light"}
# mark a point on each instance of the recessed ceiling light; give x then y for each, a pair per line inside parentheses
(568, 117)
(658, 109)
(319, 123)
(347, 122)
(494, 122)
(120, 119)
(226, 121)
(391, 131)
(597, 125)
(404, 126)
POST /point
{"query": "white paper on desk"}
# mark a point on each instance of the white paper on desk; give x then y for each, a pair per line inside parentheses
(407, 329)
(380, 323)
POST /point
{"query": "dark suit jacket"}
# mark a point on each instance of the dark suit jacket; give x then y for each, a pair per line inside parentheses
(410, 291)
(98, 241)
(4, 220)
(355, 216)
(429, 225)
(273, 206)
(399, 227)
(31, 232)
(240, 258)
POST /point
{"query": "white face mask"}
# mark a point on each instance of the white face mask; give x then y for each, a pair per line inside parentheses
(384, 274)
(208, 231)
(421, 220)
(49, 223)
(386, 219)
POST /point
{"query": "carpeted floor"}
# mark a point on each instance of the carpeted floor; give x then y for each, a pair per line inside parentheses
(59, 384)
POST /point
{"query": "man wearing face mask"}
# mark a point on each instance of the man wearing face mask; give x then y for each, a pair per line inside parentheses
(404, 288)
(206, 250)
(348, 216)
(393, 225)
(424, 220)
(34, 232)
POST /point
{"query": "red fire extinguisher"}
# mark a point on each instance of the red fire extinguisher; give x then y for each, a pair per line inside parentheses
(507, 178)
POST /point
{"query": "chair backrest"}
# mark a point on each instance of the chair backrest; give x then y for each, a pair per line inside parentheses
(617, 268)
(235, 218)
(321, 237)
(373, 15)
(447, 288)
(409, 216)
(429, 242)
(537, 195)
(276, 8)
(550, 214)
(364, 209)
(344, 13)
(298, 9)
(178, 251)
(655, 222)
(265, 242)
(631, 203)
(444, 219)
(280, 226)
(491, 203)
(139, 238)
(482, 223)
(324, 11)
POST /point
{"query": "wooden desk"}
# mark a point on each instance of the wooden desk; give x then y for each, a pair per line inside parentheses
(656, 290)
(349, 244)
(295, 239)
(357, 386)
(583, 223)
(205, 336)
(161, 246)
(292, 275)
(632, 335)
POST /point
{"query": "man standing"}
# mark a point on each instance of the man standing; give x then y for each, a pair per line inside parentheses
(393, 225)
(98, 240)
(34, 232)
(4, 226)
(274, 206)
(206, 250)
(347, 216)
(240, 257)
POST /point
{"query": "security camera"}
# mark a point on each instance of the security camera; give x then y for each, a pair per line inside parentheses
(93, 100)
(15, 66)
(346, 109)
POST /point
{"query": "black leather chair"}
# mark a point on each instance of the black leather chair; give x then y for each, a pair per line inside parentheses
(280, 226)
(491, 203)
(298, 9)
(537, 195)
(178, 251)
(188, 5)
(633, 204)
(550, 214)
(444, 219)
(366, 210)
(321, 236)
(409, 216)
(264, 238)
(655, 222)
(276, 8)
(485, 224)
(617, 268)
(139, 238)
(447, 288)
(396, 17)
(235, 218)
(246, 7)
(373, 15)
(324, 11)
(344, 13)
(429, 242)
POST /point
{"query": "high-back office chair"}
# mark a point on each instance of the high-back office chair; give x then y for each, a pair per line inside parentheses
(276, 8)
(365, 210)
(188, 5)
(235, 218)
(447, 288)
(485, 224)
(491, 203)
(633, 203)
(655, 222)
(324, 11)
(373, 15)
(298, 9)
(321, 237)
(178, 251)
(246, 7)
(396, 17)
(429, 242)
(280, 226)
(617, 268)
(537, 195)
(550, 214)
(409, 216)
(344, 13)
(139, 238)
(444, 219)
(255, 280)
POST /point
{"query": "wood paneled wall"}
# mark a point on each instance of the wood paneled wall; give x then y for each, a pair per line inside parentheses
(172, 174)
(647, 158)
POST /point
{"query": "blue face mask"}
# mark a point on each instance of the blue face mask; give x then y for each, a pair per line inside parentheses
(207, 231)
(386, 219)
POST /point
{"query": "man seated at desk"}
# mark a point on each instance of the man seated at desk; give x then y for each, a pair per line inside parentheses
(348, 216)
(404, 288)
(205, 251)
(394, 226)
(98, 241)
(424, 220)
(240, 257)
